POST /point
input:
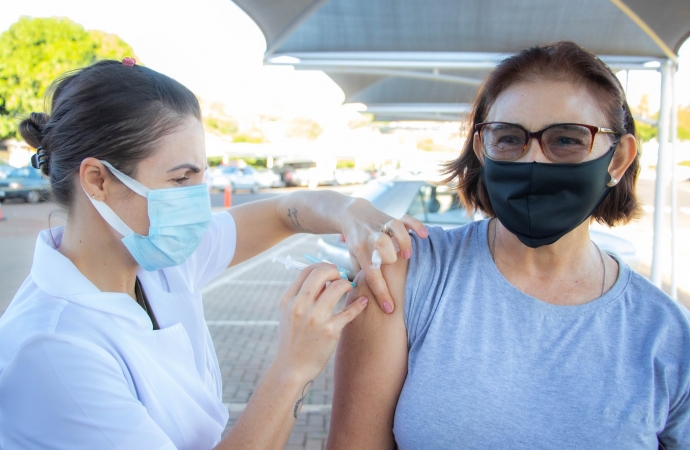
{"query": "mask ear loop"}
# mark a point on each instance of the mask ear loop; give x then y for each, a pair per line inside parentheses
(106, 211)
(128, 181)
(110, 216)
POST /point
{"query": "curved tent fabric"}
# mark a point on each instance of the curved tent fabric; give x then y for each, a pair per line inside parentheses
(606, 27)
(370, 89)
(390, 98)
(435, 52)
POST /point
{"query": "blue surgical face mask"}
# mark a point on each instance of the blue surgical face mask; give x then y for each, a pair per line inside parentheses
(178, 218)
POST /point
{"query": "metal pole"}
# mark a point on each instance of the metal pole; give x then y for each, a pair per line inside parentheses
(660, 186)
(674, 178)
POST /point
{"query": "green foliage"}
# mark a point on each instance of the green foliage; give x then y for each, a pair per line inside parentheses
(345, 164)
(684, 123)
(364, 120)
(220, 126)
(257, 163)
(214, 161)
(304, 128)
(33, 52)
(645, 131)
(426, 144)
(254, 137)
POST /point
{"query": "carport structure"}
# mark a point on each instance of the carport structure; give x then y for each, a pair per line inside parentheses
(424, 59)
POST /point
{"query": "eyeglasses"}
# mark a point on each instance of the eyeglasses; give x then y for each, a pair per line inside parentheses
(560, 143)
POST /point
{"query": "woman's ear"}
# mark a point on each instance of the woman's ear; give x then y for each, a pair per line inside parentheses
(93, 176)
(477, 147)
(625, 154)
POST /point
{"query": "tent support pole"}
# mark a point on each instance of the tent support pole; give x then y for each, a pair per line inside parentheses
(660, 186)
(674, 179)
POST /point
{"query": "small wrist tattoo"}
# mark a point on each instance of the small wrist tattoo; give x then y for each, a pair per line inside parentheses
(292, 214)
(305, 390)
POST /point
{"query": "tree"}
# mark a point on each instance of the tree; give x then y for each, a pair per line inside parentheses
(304, 128)
(645, 131)
(684, 123)
(34, 52)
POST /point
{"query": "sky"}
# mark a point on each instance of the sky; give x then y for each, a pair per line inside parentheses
(216, 50)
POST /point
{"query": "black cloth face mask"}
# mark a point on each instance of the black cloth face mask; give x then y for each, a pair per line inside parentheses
(541, 202)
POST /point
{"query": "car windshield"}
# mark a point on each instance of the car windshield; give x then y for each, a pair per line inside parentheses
(228, 170)
(24, 172)
(437, 205)
(372, 190)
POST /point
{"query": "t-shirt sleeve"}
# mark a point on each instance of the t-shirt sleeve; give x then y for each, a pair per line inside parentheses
(215, 251)
(676, 434)
(64, 393)
(422, 276)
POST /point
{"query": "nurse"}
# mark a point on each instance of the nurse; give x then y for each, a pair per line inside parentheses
(105, 344)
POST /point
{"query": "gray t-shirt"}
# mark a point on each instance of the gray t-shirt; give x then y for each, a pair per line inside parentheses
(493, 368)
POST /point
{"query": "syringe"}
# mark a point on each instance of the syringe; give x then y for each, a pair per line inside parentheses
(292, 264)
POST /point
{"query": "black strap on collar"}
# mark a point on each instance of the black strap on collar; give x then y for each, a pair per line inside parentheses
(144, 303)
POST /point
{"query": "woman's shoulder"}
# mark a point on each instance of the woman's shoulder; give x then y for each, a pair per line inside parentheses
(447, 241)
(650, 303)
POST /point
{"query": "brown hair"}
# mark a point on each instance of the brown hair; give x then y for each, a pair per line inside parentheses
(107, 111)
(562, 61)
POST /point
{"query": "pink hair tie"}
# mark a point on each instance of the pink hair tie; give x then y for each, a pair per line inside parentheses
(129, 62)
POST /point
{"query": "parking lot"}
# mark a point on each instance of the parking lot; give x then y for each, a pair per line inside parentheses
(241, 306)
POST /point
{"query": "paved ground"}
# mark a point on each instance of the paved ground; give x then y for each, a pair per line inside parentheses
(241, 308)
(241, 305)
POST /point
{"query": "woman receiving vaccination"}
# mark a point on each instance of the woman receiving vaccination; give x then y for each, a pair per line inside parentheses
(518, 332)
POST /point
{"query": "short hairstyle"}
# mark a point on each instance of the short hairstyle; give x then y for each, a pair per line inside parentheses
(107, 111)
(562, 61)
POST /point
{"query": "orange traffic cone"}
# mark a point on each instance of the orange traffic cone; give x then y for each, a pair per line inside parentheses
(228, 196)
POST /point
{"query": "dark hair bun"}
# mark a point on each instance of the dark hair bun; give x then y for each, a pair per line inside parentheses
(32, 128)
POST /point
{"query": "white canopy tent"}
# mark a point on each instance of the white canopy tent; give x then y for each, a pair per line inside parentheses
(423, 59)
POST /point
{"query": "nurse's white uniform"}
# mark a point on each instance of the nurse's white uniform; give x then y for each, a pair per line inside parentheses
(81, 368)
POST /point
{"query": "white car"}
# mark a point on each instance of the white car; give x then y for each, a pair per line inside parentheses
(438, 206)
(268, 178)
(237, 178)
(351, 176)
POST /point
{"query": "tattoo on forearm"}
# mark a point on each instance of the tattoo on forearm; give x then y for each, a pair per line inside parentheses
(305, 390)
(292, 214)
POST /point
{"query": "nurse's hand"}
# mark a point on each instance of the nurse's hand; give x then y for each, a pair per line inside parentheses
(366, 229)
(309, 330)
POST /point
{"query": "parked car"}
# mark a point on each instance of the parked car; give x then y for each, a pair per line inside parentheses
(351, 176)
(306, 173)
(268, 178)
(5, 170)
(237, 178)
(27, 183)
(438, 206)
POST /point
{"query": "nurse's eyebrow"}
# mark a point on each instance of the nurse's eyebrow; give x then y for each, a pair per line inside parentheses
(191, 167)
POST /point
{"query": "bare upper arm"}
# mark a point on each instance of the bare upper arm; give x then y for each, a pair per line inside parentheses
(258, 229)
(370, 369)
